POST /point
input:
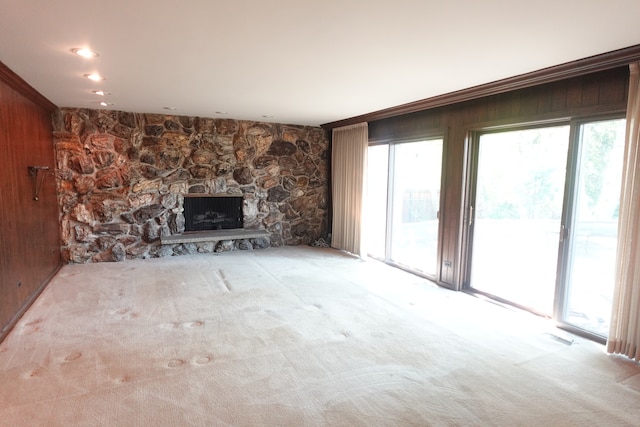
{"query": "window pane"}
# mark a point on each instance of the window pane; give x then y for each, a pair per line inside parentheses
(593, 238)
(376, 201)
(518, 209)
(416, 201)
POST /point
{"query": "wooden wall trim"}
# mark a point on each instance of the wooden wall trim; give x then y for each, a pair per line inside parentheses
(16, 82)
(605, 61)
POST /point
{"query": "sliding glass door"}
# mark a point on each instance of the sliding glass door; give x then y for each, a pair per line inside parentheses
(542, 219)
(517, 215)
(404, 202)
(590, 252)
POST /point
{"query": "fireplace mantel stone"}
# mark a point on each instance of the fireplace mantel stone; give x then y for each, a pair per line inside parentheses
(214, 236)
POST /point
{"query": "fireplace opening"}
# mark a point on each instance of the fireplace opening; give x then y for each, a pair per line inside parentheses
(212, 213)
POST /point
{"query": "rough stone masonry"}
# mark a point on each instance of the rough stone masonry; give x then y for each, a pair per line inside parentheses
(122, 177)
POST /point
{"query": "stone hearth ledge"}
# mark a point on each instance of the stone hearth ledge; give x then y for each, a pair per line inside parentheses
(213, 236)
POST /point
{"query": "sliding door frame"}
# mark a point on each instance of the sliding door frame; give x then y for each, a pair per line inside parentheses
(470, 186)
(568, 219)
(567, 215)
(426, 136)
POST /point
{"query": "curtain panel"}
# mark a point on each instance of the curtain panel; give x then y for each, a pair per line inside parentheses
(348, 184)
(624, 333)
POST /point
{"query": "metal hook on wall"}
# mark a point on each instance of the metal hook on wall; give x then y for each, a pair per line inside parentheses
(34, 171)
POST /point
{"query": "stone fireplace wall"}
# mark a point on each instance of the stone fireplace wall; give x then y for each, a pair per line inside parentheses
(122, 178)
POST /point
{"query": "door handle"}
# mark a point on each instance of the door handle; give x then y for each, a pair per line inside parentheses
(564, 233)
(470, 215)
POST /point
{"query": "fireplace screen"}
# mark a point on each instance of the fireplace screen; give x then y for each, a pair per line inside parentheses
(212, 213)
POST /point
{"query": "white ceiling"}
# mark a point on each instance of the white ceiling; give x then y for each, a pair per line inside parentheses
(304, 62)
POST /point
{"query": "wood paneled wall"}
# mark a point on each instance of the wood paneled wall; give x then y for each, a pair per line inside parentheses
(29, 229)
(587, 95)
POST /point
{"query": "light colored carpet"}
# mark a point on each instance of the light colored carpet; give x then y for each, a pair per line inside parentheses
(293, 336)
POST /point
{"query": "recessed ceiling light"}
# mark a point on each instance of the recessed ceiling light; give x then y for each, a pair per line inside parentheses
(101, 92)
(94, 76)
(85, 52)
(221, 112)
(106, 104)
(169, 108)
(267, 116)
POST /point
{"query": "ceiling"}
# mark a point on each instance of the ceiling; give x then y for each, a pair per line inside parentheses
(305, 62)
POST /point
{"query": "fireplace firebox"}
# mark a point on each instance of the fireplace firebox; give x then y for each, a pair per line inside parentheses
(212, 212)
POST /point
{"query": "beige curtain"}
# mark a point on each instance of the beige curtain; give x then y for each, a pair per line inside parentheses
(624, 334)
(348, 179)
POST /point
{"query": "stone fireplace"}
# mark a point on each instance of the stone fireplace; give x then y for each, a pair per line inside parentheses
(123, 179)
